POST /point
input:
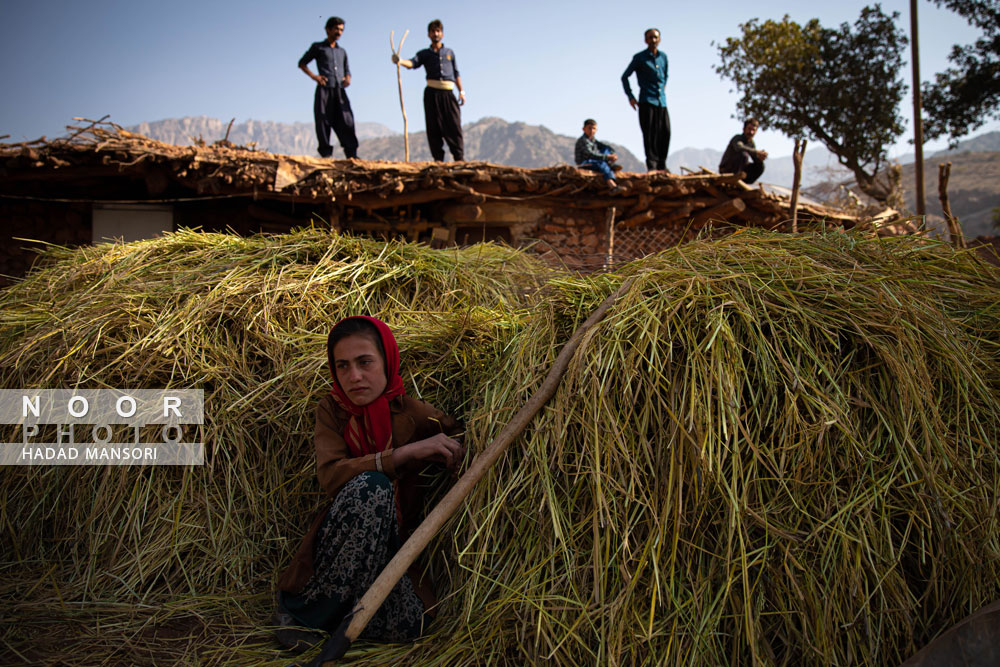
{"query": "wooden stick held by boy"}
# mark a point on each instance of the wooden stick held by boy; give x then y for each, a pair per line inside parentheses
(399, 80)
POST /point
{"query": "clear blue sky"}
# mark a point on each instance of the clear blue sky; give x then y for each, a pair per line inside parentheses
(548, 63)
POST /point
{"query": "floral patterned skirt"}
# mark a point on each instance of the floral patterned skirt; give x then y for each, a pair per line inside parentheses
(356, 540)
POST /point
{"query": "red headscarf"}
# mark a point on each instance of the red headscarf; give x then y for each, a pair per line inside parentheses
(370, 427)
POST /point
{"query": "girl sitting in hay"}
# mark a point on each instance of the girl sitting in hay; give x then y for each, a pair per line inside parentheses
(371, 440)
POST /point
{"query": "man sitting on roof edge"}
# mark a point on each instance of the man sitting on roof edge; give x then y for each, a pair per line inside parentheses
(742, 155)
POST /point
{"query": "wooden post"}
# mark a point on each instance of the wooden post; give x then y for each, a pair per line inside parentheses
(333, 215)
(399, 81)
(798, 153)
(610, 220)
(918, 126)
(369, 603)
(954, 226)
(439, 237)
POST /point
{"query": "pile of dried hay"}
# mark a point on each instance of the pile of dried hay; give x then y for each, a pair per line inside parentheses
(775, 448)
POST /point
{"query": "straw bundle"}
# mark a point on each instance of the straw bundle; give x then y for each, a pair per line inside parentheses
(246, 319)
(776, 449)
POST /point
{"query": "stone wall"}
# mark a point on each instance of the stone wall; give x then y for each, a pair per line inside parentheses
(578, 237)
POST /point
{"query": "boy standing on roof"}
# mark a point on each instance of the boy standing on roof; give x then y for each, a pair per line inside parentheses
(650, 67)
(441, 112)
(331, 108)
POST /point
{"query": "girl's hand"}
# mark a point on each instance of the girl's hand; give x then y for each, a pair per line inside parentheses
(438, 448)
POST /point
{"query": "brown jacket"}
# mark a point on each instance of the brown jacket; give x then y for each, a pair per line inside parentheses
(412, 420)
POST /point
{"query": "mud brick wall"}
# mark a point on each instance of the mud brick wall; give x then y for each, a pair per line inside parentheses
(58, 223)
(579, 237)
(573, 237)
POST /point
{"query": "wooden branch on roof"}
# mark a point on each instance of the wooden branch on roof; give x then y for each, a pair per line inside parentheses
(373, 202)
(680, 215)
(638, 219)
(721, 212)
(587, 203)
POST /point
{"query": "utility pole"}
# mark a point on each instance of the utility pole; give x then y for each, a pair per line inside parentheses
(918, 125)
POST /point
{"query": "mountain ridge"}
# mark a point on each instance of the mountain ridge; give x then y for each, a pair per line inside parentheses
(275, 137)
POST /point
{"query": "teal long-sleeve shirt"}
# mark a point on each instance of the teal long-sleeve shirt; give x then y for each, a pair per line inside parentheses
(651, 73)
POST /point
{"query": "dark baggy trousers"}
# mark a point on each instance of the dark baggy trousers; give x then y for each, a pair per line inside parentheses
(753, 171)
(655, 124)
(751, 167)
(332, 109)
(444, 122)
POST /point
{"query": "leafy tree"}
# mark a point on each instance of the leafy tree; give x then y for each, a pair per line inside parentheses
(840, 86)
(962, 98)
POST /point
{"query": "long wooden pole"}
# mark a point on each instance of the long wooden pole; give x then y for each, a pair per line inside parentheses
(399, 81)
(798, 153)
(366, 607)
(918, 125)
(609, 258)
(954, 226)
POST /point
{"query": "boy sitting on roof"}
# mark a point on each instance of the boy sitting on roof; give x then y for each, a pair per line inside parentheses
(596, 156)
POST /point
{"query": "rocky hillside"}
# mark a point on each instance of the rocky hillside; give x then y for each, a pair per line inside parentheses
(984, 143)
(973, 189)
